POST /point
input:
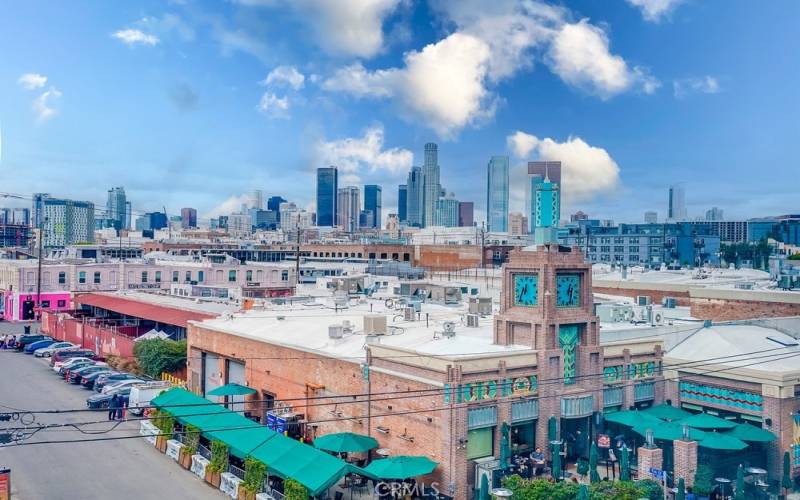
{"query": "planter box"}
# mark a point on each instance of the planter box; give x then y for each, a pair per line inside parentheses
(161, 444)
(245, 495)
(185, 460)
(213, 478)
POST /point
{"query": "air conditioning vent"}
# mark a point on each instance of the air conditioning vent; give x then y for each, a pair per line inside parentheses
(472, 320)
(409, 314)
(375, 324)
(335, 331)
(449, 329)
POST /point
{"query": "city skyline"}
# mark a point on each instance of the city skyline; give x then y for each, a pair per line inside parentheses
(302, 98)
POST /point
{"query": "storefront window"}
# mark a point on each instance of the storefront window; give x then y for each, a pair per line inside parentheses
(523, 437)
(480, 443)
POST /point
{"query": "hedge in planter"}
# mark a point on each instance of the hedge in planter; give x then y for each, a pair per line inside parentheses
(218, 464)
(165, 423)
(191, 441)
(292, 490)
(254, 474)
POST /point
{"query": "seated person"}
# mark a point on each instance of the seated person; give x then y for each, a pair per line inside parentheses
(537, 456)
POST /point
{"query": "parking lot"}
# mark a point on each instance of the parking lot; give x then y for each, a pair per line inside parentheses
(110, 468)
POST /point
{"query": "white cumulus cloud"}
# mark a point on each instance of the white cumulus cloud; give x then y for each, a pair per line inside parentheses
(655, 10)
(231, 205)
(695, 85)
(32, 81)
(580, 55)
(274, 106)
(586, 170)
(356, 155)
(132, 37)
(285, 75)
(44, 105)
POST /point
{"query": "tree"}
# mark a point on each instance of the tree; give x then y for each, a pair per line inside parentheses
(702, 480)
(156, 356)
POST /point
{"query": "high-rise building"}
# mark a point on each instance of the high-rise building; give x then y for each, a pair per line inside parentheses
(466, 213)
(16, 216)
(117, 208)
(414, 194)
(37, 213)
(257, 199)
(714, 214)
(240, 225)
(348, 208)
(432, 187)
(66, 222)
(151, 221)
(372, 203)
(366, 219)
(651, 217)
(497, 194)
(547, 207)
(402, 202)
(446, 212)
(274, 205)
(188, 218)
(517, 224)
(677, 203)
(327, 190)
(128, 215)
(578, 216)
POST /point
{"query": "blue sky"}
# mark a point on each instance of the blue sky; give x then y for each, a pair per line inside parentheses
(193, 103)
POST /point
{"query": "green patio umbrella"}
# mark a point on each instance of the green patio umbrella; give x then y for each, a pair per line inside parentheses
(681, 493)
(594, 457)
(556, 472)
(669, 431)
(739, 494)
(583, 493)
(707, 421)
(721, 441)
(552, 429)
(231, 390)
(483, 493)
(751, 433)
(505, 455)
(632, 418)
(667, 412)
(401, 467)
(625, 466)
(786, 480)
(345, 442)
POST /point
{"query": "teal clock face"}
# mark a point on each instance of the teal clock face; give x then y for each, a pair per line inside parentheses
(526, 290)
(568, 290)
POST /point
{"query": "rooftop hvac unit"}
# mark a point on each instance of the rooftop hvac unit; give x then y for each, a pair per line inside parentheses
(480, 305)
(747, 285)
(670, 302)
(642, 300)
(472, 320)
(657, 318)
(409, 314)
(335, 331)
(375, 324)
(449, 329)
(640, 315)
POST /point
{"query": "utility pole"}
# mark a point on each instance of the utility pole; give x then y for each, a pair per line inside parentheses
(39, 269)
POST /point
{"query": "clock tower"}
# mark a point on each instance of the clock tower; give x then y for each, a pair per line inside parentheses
(547, 305)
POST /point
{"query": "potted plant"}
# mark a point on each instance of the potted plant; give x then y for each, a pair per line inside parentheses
(165, 423)
(254, 474)
(191, 441)
(292, 490)
(218, 464)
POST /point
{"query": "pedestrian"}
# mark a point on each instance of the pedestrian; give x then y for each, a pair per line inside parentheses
(122, 407)
(112, 407)
(690, 494)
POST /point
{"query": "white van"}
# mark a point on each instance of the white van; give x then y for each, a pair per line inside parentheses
(141, 394)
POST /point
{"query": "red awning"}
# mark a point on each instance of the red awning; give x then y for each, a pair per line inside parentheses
(144, 310)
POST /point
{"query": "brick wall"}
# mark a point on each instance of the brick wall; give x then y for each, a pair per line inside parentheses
(656, 296)
(725, 309)
(685, 464)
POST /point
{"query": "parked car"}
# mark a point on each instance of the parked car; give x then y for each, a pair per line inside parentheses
(102, 400)
(119, 385)
(26, 340)
(69, 362)
(75, 376)
(46, 352)
(141, 394)
(111, 378)
(74, 353)
(87, 381)
(64, 371)
(31, 348)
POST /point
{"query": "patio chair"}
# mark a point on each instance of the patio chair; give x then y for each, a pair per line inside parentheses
(338, 496)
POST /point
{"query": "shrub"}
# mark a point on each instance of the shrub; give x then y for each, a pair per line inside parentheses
(254, 474)
(219, 456)
(164, 422)
(527, 489)
(191, 439)
(703, 480)
(156, 356)
(617, 490)
(293, 490)
(650, 489)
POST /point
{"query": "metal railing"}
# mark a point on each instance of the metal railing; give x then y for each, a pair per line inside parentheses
(271, 493)
(204, 452)
(236, 471)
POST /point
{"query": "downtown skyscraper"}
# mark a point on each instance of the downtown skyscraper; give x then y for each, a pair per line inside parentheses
(327, 190)
(432, 188)
(676, 211)
(372, 203)
(117, 208)
(348, 210)
(414, 198)
(497, 194)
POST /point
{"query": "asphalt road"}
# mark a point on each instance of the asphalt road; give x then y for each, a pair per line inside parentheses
(106, 470)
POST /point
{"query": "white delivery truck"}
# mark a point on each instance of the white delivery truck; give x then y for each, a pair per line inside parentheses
(141, 394)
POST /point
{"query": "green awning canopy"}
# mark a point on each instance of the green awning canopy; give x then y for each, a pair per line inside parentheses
(632, 418)
(751, 433)
(667, 412)
(231, 390)
(669, 431)
(721, 441)
(346, 442)
(401, 467)
(707, 421)
(283, 456)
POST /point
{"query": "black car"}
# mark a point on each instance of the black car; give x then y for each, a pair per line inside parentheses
(76, 375)
(111, 378)
(88, 380)
(102, 400)
(63, 371)
(25, 340)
